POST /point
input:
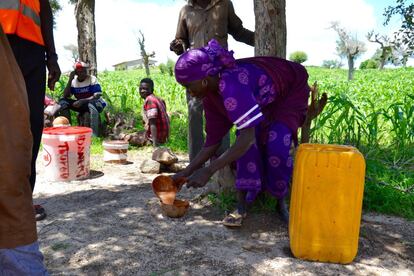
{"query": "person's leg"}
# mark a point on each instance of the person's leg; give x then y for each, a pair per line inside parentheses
(22, 260)
(31, 59)
(279, 165)
(195, 126)
(248, 184)
(84, 119)
(241, 202)
(248, 177)
(35, 86)
(235, 218)
(83, 115)
(95, 107)
(65, 106)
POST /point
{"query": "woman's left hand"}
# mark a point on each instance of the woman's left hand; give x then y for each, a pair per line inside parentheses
(199, 178)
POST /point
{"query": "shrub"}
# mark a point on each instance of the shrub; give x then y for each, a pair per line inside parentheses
(170, 67)
(163, 68)
(298, 56)
(369, 64)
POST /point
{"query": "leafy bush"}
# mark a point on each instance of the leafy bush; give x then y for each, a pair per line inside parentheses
(163, 68)
(167, 68)
(170, 67)
(298, 56)
(369, 64)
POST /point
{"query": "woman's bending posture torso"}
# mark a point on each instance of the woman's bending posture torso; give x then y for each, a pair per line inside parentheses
(271, 95)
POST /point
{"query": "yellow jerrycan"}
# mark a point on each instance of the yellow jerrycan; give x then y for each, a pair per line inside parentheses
(326, 203)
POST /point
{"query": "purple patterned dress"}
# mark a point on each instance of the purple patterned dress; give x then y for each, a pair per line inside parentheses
(248, 96)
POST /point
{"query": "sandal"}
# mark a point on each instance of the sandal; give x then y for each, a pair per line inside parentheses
(234, 219)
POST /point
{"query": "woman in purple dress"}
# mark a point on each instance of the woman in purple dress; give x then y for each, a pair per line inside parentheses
(266, 99)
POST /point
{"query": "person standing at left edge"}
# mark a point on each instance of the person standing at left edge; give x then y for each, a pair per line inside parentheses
(19, 248)
(29, 28)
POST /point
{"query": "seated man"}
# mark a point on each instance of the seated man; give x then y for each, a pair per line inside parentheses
(87, 92)
(157, 123)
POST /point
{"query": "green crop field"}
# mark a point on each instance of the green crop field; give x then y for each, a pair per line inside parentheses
(374, 112)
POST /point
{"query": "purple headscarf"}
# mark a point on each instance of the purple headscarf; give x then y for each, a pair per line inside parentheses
(199, 63)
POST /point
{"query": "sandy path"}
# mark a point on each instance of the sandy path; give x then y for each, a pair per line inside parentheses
(112, 225)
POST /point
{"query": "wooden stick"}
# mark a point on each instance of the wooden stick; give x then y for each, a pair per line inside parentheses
(315, 108)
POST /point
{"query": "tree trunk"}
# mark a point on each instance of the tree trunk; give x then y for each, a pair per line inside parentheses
(146, 65)
(404, 61)
(85, 21)
(350, 67)
(382, 64)
(270, 36)
(383, 57)
(144, 55)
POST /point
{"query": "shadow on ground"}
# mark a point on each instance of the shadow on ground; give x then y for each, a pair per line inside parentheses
(118, 230)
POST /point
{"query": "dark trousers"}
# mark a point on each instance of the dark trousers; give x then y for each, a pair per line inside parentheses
(68, 104)
(196, 129)
(31, 59)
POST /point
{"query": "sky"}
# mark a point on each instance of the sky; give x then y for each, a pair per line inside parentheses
(118, 23)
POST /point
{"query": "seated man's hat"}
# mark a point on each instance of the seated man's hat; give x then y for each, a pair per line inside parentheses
(80, 65)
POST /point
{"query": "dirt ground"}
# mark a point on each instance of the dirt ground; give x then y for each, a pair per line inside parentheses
(112, 225)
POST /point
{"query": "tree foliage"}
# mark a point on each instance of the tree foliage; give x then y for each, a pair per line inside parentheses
(73, 50)
(404, 38)
(385, 51)
(369, 64)
(55, 5)
(298, 56)
(401, 53)
(348, 47)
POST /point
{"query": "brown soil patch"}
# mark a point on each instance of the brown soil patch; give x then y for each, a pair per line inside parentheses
(113, 225)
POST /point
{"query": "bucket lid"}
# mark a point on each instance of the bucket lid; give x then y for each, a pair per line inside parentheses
(70, 130)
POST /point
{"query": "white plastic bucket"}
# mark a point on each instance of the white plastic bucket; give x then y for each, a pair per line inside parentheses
(115, 151)
(66, 152)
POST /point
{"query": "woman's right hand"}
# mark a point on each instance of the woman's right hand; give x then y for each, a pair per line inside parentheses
(184, 173)
(205, 154)
(180, 178)
(179, 182)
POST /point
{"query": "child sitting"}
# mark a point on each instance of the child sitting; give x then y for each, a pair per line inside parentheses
(157, 123)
